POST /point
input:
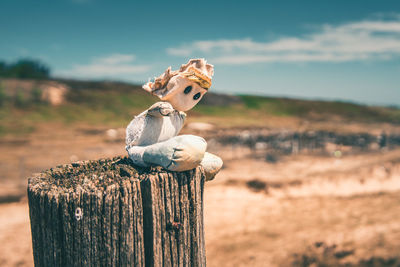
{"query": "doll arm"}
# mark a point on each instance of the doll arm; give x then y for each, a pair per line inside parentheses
(160, 109)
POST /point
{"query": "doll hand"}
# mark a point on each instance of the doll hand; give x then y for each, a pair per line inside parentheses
(188, 153)
(160, 109)
(180, 153)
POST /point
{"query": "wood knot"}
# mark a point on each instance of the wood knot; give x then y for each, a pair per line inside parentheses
(78, 214)
(173, 226)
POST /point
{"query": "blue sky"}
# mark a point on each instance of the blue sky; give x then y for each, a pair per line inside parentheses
(343, 50)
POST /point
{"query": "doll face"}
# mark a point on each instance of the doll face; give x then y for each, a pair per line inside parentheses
(183, 94)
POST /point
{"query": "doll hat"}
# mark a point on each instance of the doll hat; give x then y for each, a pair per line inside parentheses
(197, 70)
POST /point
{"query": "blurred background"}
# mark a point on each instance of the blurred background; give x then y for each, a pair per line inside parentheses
(304, 110)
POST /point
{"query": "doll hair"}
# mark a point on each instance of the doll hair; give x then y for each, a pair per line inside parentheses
(199, 66)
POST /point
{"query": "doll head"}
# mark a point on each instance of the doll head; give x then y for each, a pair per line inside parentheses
(185, 87)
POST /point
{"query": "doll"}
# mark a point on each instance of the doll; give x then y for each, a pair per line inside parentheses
(152, 136)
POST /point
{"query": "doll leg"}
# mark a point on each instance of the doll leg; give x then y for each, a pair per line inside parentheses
(136, 155)
(211, 164)
(180, 153)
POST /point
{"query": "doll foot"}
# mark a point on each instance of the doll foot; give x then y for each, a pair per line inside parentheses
(180, 153)
(136, 155)
(212, 165)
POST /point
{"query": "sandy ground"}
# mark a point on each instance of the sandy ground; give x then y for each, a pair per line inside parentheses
(353, 203)
(256, 213)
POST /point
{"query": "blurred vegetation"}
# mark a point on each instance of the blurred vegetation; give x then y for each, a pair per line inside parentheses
(324, 255)
(321, 110)
(24, 69)
(114, 104)
(93, 103)
(3, 96)
(19, 100)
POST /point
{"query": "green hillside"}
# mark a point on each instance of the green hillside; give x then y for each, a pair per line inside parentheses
(113, 104)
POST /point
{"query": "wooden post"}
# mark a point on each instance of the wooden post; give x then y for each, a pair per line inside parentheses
(108, 213)
(173, 219)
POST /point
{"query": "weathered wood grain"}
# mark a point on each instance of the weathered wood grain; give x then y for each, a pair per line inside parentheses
(173, 218)
(109, 213)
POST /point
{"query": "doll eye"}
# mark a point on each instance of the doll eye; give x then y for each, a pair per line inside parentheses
(187, 90)
(196, 96)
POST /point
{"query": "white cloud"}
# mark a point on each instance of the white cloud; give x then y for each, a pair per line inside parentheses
(114, 66)
(356, 41)
(116, 59)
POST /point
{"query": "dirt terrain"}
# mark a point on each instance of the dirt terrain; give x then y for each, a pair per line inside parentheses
(336, 205)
